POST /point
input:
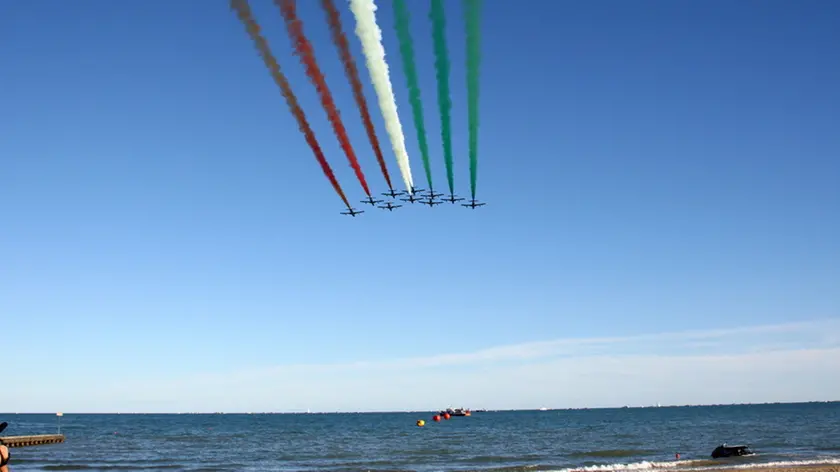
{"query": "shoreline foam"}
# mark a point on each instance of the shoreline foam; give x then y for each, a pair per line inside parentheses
(825, 464)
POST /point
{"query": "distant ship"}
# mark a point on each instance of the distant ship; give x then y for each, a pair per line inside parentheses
(543, 409)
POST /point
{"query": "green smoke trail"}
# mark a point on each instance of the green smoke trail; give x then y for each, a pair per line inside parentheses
(442, 69)
(410, 70)
(472, 13)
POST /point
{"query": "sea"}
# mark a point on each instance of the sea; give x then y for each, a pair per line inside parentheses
(635, 439)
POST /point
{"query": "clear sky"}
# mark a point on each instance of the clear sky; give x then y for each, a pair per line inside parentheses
(169, 243)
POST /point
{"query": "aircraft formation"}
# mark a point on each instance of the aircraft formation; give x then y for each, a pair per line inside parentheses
(420, 196)
(370, 36)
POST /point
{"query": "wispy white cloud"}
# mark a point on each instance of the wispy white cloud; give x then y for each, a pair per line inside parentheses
(788, 362)
(761, 337)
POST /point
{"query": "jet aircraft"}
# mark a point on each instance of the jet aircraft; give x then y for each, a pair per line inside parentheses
(432, 194)
(393, 194)
(473, 203)
(370, 201)
(352, 212)
(452, 199)
(431, 202)
(389, 206)
(411, 198)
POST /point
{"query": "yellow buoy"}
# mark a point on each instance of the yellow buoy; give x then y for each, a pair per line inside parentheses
(421, 423)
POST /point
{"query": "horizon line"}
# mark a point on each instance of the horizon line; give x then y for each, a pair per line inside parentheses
(485, 410)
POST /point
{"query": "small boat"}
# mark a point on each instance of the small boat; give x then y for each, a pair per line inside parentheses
(457, 412)
(731, 451)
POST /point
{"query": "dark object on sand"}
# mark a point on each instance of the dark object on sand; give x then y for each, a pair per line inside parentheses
(731, 451)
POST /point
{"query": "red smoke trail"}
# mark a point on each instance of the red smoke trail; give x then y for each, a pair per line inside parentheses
(340, 40)
(307, 56)
(243, 10)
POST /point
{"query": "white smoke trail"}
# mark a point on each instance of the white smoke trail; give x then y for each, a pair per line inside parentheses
(371, 38)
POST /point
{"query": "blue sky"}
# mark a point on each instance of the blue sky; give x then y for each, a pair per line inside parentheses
(649, 167)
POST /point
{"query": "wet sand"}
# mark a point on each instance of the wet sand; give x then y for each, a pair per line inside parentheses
(773, 468)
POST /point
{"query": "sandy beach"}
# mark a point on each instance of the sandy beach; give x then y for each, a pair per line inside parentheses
(772, 468)
(705, 467)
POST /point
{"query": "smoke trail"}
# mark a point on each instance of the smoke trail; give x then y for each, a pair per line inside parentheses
(352, 73)
(303, 49)
(442, 69)
(472, 13)
(410, 70)
(371, 38)
(243, 11)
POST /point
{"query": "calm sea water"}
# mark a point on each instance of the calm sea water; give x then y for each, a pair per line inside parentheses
(603, 439)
